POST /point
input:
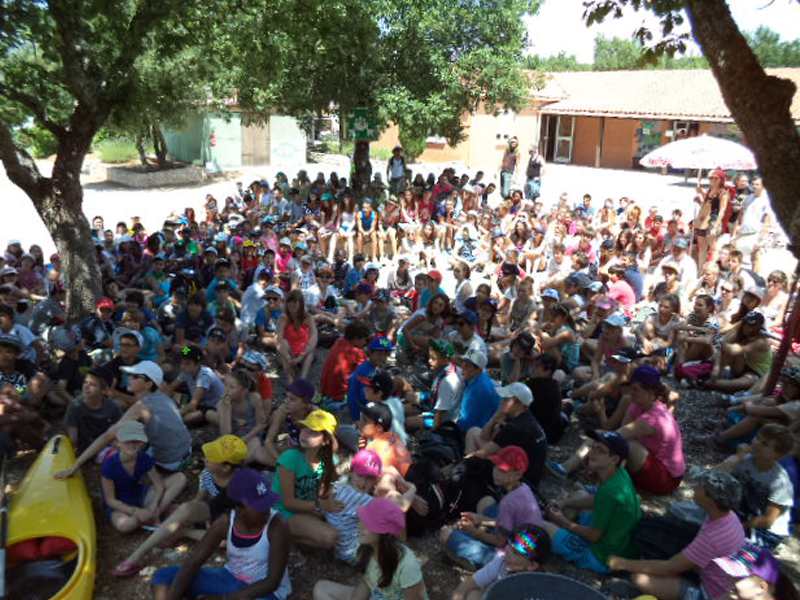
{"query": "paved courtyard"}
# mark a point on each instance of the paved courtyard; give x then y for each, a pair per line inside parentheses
(116, 203)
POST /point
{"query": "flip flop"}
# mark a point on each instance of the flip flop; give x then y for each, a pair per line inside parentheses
(127, 569)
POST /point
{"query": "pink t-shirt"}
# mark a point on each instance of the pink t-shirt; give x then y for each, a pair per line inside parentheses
(666, 444)
(518, 507)
(716, 539)
(622, 292)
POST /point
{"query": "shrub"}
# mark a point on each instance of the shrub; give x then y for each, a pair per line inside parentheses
(39, 142)
(116, 150)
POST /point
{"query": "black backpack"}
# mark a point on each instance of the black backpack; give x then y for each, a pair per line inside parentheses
(441, 492)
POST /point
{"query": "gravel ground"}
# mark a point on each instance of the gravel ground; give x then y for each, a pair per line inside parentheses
(699, 419)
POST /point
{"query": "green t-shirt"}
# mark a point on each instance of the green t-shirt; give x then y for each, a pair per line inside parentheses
(616, 513)
(408, 574)
(306, 480)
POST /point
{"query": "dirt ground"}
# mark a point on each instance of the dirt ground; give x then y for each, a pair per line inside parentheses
(699, 419)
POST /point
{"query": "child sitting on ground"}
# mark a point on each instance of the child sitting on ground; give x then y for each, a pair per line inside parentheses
(129, 502)
(365, 474)
(526, 548)
(475, 539)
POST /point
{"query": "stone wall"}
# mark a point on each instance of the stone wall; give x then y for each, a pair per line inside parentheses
(134, 178)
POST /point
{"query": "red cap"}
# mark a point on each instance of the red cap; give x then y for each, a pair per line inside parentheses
(718, 173)
(435, 275)
(510, 458)
(105, 302)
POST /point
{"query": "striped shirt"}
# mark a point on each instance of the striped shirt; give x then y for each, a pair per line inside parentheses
(716, 539)
(346, 521)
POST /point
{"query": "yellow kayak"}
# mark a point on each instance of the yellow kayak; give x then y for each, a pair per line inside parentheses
(45, 507)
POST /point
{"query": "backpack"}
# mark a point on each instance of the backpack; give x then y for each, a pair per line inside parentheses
(661, 538)
(441, 493)
(443, 446)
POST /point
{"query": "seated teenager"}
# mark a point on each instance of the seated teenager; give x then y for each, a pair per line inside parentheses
(285, 419)
(746, 351)
(386, 565)
(304, 479)
(204, 386)
(375, 427)
(343, 358)
(129, 502)
(512, 424)
(242, 411)
(721, 535)
(609, 517)
(445, 393)
(475, 539)
(170, 443)
(547, 406)
(257, 544)
(92, 412)
(526, 548)
(222, 457)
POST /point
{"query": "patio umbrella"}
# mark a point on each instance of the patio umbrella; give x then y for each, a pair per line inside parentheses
(701, 152)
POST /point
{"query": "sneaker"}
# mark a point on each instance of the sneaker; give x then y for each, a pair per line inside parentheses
(556, 469)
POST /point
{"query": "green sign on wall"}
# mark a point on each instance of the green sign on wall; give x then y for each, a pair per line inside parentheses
(362, 125)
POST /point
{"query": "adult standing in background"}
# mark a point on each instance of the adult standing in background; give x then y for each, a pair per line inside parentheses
(533, 174)
(508, 166)
(396, 171)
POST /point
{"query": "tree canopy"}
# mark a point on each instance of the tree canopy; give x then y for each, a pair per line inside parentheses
(618, 53)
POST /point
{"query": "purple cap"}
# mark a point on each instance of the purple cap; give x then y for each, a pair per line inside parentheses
(302, 388)
(646, 375)
(750, 560)
(248, 487)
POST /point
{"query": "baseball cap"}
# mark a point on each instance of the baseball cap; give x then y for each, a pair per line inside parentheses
(476, 357)
(211, 250)
(615, 443)
(367, 463)
(10, 341)
(103, 374)
(681, 242)
(319, 420)
(307, 259)
(381, 381)
(671, 264)
(469, 316)
(358, 258)
(626, 355)
(191, 352)
(379, 413)
(435, 275)
(63, 338)
(256, 358)
(791, 373)
(382, 516)
(756, 291)
(754, 318)
(646, 375)
(580, 280)
(302, 388)
(7, 271)
(615, 320)
(364, 288)
(373, 266)
(381, 343)
(517, 390)
(104, 302)
(274, 290)
(750, 560)
(551, 293)
(132, 333)
(510, 458)
(284, 241)
(443, 347)
(248, 487)
(229, 449)
(595, 286)
(131, 431)
(148, 369)
(531, 542)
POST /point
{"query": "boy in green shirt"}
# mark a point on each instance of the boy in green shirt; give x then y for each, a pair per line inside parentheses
(610, 516)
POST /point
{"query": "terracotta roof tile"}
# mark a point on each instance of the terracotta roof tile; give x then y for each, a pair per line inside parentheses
(665, 94)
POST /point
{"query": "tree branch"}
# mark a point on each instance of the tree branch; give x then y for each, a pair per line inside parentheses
(20, 167)
(36, 107)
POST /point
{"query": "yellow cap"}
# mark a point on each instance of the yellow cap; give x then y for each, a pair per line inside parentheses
(319, 420)
(226, 449)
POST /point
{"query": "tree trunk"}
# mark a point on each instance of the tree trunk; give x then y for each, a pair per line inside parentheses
(140, 148)
(58, 200)
(362, 168)
(760, 105)
(160, 146)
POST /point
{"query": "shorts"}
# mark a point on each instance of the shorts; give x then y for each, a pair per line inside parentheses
(653, 478)
(692, 591)
(467, 548)
(209, 581)
(577, 550)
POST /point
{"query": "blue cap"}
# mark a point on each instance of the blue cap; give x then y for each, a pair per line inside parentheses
(551, 293)
(615, 320)
(248, 487)
(612, 440)
(469, 316)
(381, 343)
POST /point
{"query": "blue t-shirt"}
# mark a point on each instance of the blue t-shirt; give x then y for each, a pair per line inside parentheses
(636, 281)
(267, 322)
(211, 291)
(426, 296)
(207, 380)
(479, 401)
(354, 276)
(128, 489)
(792, 468)
(356, 398)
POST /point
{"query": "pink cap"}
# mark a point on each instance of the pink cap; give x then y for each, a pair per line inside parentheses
(367, 463)
(382, 516)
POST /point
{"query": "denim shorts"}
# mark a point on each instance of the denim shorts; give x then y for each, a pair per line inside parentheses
(577, 550)
(692, 591)
(209, 581)
(464, 546)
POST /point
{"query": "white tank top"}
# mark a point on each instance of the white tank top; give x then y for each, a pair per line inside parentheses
(251, 564)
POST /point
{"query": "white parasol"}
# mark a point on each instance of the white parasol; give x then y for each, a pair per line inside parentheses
(701, 152)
